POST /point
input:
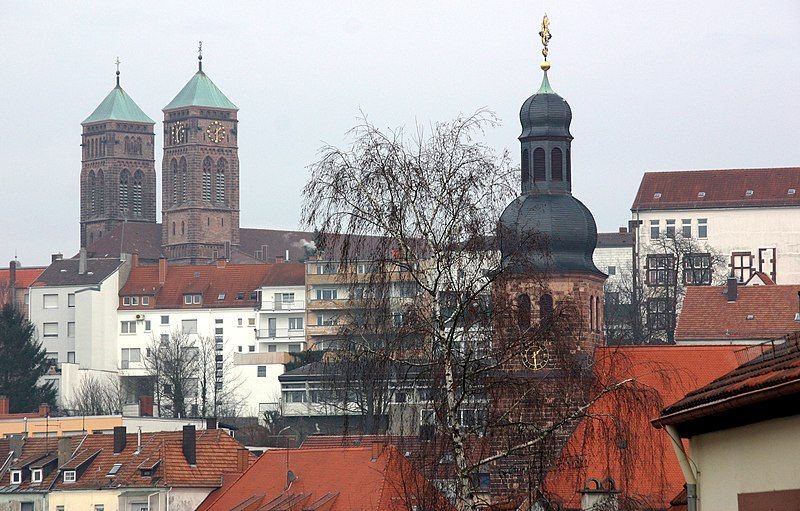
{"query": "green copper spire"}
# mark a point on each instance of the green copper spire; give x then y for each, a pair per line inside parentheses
(200, 91)
(118, 106)
(545, 87)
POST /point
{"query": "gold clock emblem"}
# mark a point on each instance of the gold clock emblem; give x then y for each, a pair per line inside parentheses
(536, 358)
(216, 132)
(178, 133)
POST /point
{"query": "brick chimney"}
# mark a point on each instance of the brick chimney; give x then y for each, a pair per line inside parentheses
(134, 260)
(12, 277)
(242, 460)
(4, 405)
(120, 439)
(222, 262)
(189, 445)
(162, 270)
(64, 450)
(731, 290)
(82, 262)
(56, 257)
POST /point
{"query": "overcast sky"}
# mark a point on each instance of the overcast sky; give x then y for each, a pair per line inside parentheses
(652, 85)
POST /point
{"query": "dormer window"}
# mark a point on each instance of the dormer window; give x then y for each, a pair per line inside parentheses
(193, 299)
(657, 195)
(792, 191)
(221, 296)
(69, 476)
(36, 475)
(749, 193)
(700, 195)
(126, 301)
(16, 477)
(240, 296)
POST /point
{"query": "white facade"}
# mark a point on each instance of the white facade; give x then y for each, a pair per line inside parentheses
(614, 262)
(757, 231)
(281, 319)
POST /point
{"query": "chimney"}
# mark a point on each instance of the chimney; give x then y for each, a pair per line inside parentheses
(242, 459)
(64, 450)
(56, 257)
(264, 252)
(120, 439)
(211, 423)
(623, 230)
(598, 494)
(221, 262)
(797, 314)
(82, 262)
(286, 257)
(162, 270)
(4, 405)
(189, 445)
(145, 406)
(134, 260)
(12, 275)
(279, 259)
(44, 410)
(15, 443)
(731, 290)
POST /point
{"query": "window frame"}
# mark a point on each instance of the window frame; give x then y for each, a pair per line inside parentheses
(70, 476)
(16, 477)
(71, 300)
(658, 317)
(702, 228)
(131, 327)
(686, 223)
(655, 234)
(44, 329)
(660, 270)
(45, 300)
(261, 371)
(691, 270)
(738, 270)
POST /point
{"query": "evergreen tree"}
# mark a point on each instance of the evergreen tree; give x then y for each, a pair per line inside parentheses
(23, 362)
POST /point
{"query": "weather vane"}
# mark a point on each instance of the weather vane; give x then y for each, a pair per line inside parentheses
(545, 35)
(117, 63)
(200, 55)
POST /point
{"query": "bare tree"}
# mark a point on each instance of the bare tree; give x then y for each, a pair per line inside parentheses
(174, 364)
(96, 395)
(437, 310)
(221, 388)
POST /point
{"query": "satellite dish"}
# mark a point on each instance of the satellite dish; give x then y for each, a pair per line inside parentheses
(291, 477)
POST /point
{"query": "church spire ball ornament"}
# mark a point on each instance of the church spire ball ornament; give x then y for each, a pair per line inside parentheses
(546, 36)
(200, 56)
(117, 63)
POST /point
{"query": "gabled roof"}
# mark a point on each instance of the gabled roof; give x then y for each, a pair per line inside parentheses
(36, 452)
(701, 189)
(64, 272)
(118, 106)
(759, 313)
(200, 91)
(615, 239)
(641, 462)
(329, 479)
(25, 276)
(285, 274)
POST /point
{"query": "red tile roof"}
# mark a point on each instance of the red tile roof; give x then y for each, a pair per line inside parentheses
(720, 189)
(34, 451)
(25, 276)
(212, 281)
(641, 462)
(707, 315)
(772, 366)
(332, 479)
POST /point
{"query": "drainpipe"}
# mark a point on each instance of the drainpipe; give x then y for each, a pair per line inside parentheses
(686, 468)
(148, 501)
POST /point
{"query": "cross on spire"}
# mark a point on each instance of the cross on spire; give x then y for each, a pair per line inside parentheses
(117, 63)
(200, 56)
(546, 36)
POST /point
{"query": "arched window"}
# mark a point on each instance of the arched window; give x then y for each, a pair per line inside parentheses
(539, 172)
(174, 167)
(545, 308)
(184, 181)
(137, 193)
(103, 146)
(183, 228)
(173, 228)
(569, 167)
(139, 146)
(101, 192)
(526, 166)
(524, 311)
(127, 146)
(591, 313)
(598, 324)
(207, 164)
(91, 238)
(557, 161)
(220, 181)
(92, 193)
(124, 179)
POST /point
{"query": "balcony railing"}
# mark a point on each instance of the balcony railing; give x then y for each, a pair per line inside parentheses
(280, 333)
(279, 305)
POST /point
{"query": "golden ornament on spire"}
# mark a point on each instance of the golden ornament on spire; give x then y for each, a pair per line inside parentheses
(545, 35)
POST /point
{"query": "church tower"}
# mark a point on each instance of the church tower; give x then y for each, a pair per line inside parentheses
(200, 173)
(118, 176)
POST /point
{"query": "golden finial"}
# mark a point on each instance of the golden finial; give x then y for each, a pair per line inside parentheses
(545, 35)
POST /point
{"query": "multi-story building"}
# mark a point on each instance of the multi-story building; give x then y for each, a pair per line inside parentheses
(14, 283)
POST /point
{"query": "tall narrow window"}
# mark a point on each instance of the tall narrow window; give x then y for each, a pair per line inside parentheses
(597, 322)
(127, 145)
(539, 172)
(93, 193)
(184, 181)
(524, 311)
(124, 179)
(174, 167)
(569, 166)
(207, 179)
(139, 146)
(220, 182)
(183, 228)
(545, 308)
(557, 161)
(591, 313)
(136, 199)
(526, 166)
(101, 192)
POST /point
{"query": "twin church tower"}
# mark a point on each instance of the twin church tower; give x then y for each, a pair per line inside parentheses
(199, 178)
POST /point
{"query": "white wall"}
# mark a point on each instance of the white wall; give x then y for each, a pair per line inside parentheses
(281, 312)
(619, 258)
(62, 344)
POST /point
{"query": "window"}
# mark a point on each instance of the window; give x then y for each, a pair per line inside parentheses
(539, 168)
(69, 476)
(524, 311)
(99, 507)
(239, 349)
(123, 192)
(71, 357)
(702, 228)
(239, 322)
(165, 320)
(136, 199)
(671, 228)
(189, 326)
(294, 393)
(697, 269)
(654, 229)
(16, 476)
(114, 469)
(221, 296)
(287, 297)
(50, 329)
(326, 268)
(251, 349)
(327, 294)
(545, 307)
(128, 327)
(261, 372)
(748, 193)
(145, 300)
(661, 270)
(325, 320)
(220, 181)
(147, 325)
(397, 319)
(193, 299)
(742, 265)
(126, 301)
(71, 329)
(240, 295)
(700, 195)
(658, 315)
(272, 348)
(557, 163)
(686, 227)
(50, 301)
(52, 357)
(207, 179)
(134, 300)
(612, 270)
(591, 313)
(296, 323)
(526, 167)
(251, 321)
(164, 339)
(71, 300)
(294, 348)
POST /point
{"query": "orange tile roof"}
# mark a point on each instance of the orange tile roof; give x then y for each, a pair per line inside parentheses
(329, 479)
(707, 315)
(25, 276)
(725, 188)
(641, 461)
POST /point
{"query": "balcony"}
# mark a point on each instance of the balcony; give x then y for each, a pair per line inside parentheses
(281, 306)
(280, 333)
(280, 357)
(335, 304)
(322, 329)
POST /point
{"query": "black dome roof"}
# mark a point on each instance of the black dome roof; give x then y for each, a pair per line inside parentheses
(551, 232)
(545, 114)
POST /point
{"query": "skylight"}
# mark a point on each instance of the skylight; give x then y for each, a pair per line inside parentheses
(701, 194)
(657, 195)
(114, 469)
(792, 191)
(749, 193)
(221, 296)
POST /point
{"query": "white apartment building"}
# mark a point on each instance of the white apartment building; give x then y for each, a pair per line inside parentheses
(614, 255)
(750, 216)
(281, 313)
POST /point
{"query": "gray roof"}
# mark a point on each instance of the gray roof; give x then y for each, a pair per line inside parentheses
(64, 272)
(545, 114)
(615, 239)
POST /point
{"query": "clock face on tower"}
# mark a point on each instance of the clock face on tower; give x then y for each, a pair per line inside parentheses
(536, 358)
(178, 133)
(216, 132)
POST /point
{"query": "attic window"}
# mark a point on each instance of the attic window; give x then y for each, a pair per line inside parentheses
(221, 296)
(657, 195)
(36, 475)
(701, 194)
(16, 477)
(69, 476)
(114, 469)
(792, 191)
(751, 317)
(240, 296)
(146, 472)
(749, 193)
